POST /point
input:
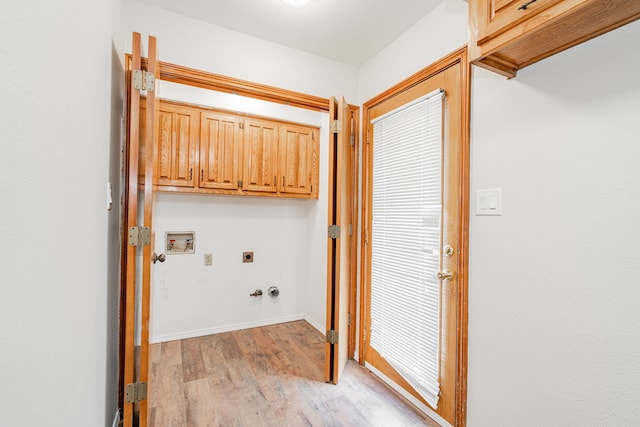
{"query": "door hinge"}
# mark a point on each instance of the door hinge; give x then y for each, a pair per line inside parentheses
(350, 229)
(334, 231)
(349, 319)
(332, 337)
(144, 80)
(335, 126)
(352, 140)
(135, 392)
(139, 236)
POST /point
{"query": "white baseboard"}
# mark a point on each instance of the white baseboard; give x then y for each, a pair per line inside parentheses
(315, 324)
(116, 419)
(228, 328)
(415, 402)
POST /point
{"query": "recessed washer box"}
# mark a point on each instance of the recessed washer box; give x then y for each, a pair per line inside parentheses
(180, 242)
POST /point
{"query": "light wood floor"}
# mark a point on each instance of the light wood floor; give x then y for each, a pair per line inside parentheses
(269, 376)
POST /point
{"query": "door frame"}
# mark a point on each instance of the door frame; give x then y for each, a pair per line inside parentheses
(192, 77)
(459, 57)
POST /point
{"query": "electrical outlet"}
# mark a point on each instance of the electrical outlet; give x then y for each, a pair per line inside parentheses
(208, 259)
(247, 256)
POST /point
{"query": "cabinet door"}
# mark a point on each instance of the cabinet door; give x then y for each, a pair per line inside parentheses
(496, 16)
(260, 157)
(177, 142)
(220, 144)
(298, 153)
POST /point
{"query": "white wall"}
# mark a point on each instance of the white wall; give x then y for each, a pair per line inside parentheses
(553, 311)
(56, 106)
(287, 236)
(436, 35)
(203, 46)
(553, 322)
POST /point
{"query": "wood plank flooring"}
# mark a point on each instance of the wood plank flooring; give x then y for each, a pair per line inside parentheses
(269, 376)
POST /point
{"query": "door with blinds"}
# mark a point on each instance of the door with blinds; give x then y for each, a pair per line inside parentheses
(416, 190)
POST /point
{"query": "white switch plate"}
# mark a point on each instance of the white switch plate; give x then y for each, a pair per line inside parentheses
(489, 201)
(208, 259)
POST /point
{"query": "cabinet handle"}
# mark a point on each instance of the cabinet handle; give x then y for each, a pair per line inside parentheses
(524, 6)
(283, 181)
(202, 175)
(190, 174)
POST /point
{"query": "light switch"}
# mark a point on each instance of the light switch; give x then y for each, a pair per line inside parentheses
(208, 259)
(489, 201)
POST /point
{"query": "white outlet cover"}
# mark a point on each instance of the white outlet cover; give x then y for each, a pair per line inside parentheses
(489, 201)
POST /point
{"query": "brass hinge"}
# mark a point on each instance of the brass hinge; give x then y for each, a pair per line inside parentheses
(135, 392)
(139, 236)
(332, 337)
(352, 140)
(349, 319)
(350, 229)
(144, 80)
(334, 231)
(335, 126)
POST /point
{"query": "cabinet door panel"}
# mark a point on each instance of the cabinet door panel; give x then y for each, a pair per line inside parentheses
(177, 141)
(220, 144)
(260, 168)
(297, 148)
(496, 16)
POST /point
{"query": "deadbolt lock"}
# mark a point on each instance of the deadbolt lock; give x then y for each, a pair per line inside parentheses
(448, 250)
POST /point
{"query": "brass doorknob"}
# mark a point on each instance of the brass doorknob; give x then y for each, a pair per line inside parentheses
(445, 275)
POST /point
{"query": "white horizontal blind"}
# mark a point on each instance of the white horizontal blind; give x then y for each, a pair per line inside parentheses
(406, 239)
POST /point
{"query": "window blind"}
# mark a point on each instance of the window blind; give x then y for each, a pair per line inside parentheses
(406, 239)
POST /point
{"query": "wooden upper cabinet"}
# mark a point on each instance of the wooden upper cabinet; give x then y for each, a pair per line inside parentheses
(496, 16)
(177, 142)
(298, 148)
(202, 150)
(220, 146)
(260, 156)
(507, 35)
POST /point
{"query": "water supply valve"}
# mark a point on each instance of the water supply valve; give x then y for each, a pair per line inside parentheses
(273, 292)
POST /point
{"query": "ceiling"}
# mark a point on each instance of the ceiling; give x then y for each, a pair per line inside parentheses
(349, 31)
